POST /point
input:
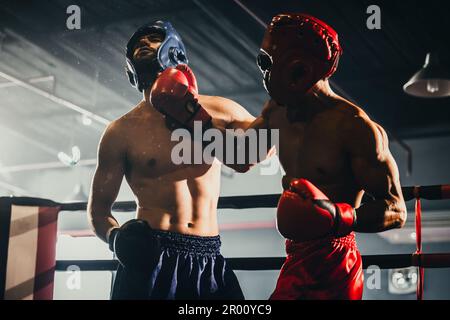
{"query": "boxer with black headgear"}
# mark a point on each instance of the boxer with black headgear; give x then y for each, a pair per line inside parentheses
(143, 70)
(172, 249)
(332, 153)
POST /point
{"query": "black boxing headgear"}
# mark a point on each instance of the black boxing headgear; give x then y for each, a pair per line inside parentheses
(170, 53)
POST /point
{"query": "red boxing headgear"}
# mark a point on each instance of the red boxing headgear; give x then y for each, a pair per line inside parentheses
(297, 51)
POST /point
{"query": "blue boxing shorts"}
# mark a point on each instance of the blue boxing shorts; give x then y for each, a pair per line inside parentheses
(189, 267)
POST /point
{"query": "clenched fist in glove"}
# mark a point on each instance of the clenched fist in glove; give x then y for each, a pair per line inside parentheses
(175, 94)
(135, 245)
(304, 213)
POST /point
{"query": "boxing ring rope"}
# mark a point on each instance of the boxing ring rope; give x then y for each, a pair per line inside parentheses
(386, 261)
(389, 261)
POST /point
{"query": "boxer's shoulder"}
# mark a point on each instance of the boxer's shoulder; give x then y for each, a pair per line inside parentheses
(341, 115)
(350, 117)
(357, 128)
(126, 125)
(365, 136)
(347, 109)
(112, 140)
(138, 117)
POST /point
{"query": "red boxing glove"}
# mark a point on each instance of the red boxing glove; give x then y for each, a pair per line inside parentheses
(304, 213)
(175, 94)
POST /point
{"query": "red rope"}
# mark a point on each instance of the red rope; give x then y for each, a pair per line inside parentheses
(418, 253)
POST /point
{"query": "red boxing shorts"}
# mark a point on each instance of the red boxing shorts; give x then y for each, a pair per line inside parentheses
(328, 268)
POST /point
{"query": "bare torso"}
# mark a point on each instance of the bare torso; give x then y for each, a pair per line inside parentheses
(314, 149)
(180, 198)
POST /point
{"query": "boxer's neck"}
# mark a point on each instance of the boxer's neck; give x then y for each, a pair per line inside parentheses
(318, 98)
(322, 89)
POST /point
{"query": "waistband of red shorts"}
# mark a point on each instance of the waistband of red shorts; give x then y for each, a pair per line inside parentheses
(348, 241)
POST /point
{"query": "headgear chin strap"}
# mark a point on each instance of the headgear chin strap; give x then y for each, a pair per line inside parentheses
(170, 53)
(297, 51)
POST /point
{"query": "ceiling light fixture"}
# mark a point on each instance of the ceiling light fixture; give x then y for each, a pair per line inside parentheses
(432, 81)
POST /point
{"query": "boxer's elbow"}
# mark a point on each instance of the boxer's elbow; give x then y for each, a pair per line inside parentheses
(95, 222)
(100, 225)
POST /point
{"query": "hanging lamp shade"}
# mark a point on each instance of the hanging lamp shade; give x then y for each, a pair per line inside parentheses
(432, 81)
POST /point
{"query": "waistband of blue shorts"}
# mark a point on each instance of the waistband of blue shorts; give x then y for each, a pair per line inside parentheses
(188, 243)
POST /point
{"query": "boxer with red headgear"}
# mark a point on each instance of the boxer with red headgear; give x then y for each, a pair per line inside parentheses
(332, 153)
(297, 51)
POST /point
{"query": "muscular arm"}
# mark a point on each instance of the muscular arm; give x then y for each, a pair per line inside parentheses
(175, 94)
(376, 172)
(228, 114)
(106, 182)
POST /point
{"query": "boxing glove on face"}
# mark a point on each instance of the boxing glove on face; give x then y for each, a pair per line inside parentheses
(304, 213)
(135, 245)
(175, 94)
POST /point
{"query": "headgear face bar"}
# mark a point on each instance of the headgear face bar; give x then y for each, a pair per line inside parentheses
(297, 46)
(170, 53)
